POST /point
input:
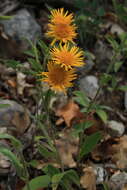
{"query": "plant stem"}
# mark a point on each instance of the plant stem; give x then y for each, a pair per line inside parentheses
(51, 129)
(25, 170)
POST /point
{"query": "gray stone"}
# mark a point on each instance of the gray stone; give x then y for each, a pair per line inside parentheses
(85, 68)
(115, 129)
(125, 100)
(14, 117)
(89, 85)
(103, 54)
(118, 180)
(113, 27)
(100, 173)
(20, 28)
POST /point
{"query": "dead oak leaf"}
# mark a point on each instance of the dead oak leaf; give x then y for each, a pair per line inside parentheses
(67, 147)
(125, 187)
(69, 113)
(88, 180)
(120, 155)
(114, 149)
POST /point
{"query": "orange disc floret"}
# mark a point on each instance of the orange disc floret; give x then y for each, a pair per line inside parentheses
(61, 27)
(67, 56)
(58, 78)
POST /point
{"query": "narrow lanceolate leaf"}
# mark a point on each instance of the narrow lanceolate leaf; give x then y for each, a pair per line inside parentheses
(123, 88)
(14, 160)
(103, 115)
(117, 65)
(45, 153)
(38, 182)
(59, 178)
(81, 98)
(72, 176)
(13, 63)
(4, 106)
(89, 144)
(5, 17)
(56, 179)
(14, 141)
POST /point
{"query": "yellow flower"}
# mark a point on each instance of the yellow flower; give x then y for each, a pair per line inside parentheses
(61, 27)
(58, 78)
(67, 56)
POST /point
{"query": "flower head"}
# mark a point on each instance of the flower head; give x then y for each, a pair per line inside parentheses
(67, 56)
(58, 78)
(61, 27)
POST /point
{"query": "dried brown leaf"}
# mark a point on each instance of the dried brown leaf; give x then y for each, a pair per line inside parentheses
(67, 146)
(88, 180)
(69, 113)
(120, 155)
(125, 187)
(12, 83)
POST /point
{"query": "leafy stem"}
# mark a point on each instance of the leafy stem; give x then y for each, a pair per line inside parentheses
(50, 135)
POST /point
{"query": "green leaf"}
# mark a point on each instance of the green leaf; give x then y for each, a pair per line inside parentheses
(100, 11)
(34, 163)
(4, 105)
(48, 95)
(105, 186)
(59, 178)
(103, 115)
(50, 170)
(123, 88)
(117, 65)
(16, 143)
(39, 182)
(56, 179)
(81, 127)
(16, 163)
(72, 176)
(12, 63)
(113, 42)
(5, 17)
(65, 184)
(29, 53)
(105, 78)
(44, 47)
(81, 98)
(89, 144)
(36, 66)
(45, 152)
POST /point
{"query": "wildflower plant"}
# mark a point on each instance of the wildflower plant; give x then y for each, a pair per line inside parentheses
(61, 26)
(58, 71)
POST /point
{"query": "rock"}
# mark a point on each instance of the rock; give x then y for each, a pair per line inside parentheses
(115, 129)
(86, 68)
(89, 85)
(118, 180)
(114, 28)
(14, 117)
(125, 100)
(100, 174)
(17, 30)
(103, 54)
